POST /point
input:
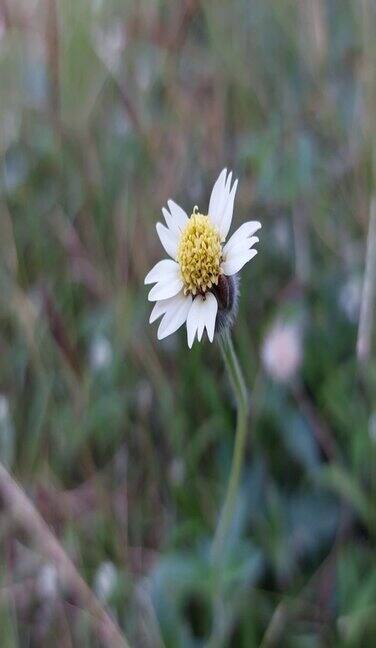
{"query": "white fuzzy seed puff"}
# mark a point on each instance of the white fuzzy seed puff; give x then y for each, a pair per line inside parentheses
(186, 284)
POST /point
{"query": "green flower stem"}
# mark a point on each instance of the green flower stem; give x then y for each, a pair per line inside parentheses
(240, 392)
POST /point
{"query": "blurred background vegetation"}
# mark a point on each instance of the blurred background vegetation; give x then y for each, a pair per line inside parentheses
(107, 109)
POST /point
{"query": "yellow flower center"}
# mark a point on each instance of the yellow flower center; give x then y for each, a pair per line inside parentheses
(199, 254)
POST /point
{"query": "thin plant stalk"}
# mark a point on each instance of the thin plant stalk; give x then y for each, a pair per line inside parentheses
(367, 310)
(237, 381)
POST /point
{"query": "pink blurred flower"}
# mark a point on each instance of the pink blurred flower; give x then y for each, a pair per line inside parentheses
(282, 351)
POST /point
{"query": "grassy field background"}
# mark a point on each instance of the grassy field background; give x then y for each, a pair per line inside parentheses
(123, 443)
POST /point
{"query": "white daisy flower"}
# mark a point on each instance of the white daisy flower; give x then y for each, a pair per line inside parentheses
(197, 282)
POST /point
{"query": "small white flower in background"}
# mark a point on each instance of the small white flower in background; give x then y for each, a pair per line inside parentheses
(109, 44)
(197, 283)
(350, 296)
(282, 351)
(105, 580)
(101, 353)
(47, 582)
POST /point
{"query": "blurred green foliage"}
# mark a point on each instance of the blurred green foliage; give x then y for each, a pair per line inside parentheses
(107, 109)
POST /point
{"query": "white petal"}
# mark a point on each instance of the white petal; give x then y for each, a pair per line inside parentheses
(202, 314)
(192, 322)
(234, 263)
(200, 325)
(217, 197)
(240, 247)
(227, 188)
(175, 315)
(165, 289)
(208, 315)
(162, 269)
(225, 195)
(169, 239)
(170, 222)
(243, 232)
(160, 307)
(226, 219)
(178, 214)
(228, 184)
